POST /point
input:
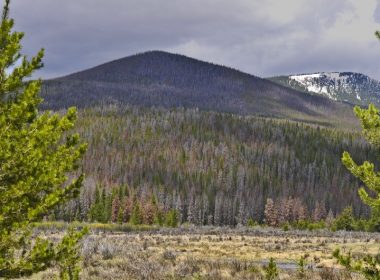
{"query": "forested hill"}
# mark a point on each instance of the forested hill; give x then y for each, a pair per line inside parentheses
(214, 168)
(163, 79)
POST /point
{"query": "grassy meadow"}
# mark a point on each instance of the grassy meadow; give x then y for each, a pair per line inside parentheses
(212, 252)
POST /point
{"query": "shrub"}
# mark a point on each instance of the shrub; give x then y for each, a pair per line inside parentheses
(188, 267)
(367, 265)
(301, 267)
(286, 227)
(345, 221)
(308, 225)
(108, 250)
(169, 255)
(251, 223)
(271, 271)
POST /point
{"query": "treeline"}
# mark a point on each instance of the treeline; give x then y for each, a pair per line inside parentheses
(211, 168)
(121, 206)
(290, 213)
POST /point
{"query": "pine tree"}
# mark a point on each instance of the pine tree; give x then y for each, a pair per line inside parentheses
(284, 210)
(191, 211)
(179, 208)
(120, 216)
(370, 121)
(271, 270)
(288, 208)
(158, 212)
(218, 219)
(137, 214)
(270, 213)
(205, 209)
(107, 198)
(240, 219)
(299, 212)
(330, 218)
(210, 220)
(128, 207)
(302, 213)
(86, 198)
(171, 219)
(115, 209)
(367, 265)
(97, 209)
(34, 163)
(319, 212)
(197, 211)
(149, 213)
(159, 218)
(345, 220)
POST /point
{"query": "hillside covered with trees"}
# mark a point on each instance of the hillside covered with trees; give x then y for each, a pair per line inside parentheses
(168, 80)
(213, 168)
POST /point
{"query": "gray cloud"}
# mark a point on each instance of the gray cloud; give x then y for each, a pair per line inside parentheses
(260, 37)
(376, 14)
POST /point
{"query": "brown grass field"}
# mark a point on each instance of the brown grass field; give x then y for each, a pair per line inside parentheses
(215, 253)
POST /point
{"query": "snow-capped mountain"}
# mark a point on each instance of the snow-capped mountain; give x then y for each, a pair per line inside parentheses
(351, 87)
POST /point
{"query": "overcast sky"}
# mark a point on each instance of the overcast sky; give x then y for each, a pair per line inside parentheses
(261, 37)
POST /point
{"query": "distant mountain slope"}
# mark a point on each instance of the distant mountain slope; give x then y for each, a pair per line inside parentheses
(355, 88)
(163, 79)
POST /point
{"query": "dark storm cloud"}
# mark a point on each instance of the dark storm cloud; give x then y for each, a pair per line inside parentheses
(261, 37)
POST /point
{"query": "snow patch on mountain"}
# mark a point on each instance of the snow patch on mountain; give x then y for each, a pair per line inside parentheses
(350, 87)
(310, 84)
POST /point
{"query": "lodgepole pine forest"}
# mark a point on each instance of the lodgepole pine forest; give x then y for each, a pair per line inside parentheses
(212, 168)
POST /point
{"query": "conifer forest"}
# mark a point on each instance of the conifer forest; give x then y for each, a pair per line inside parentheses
(213, 168)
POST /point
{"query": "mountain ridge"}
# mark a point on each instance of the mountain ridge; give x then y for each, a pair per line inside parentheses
(158, 78)
(154, 52)
(352, 87)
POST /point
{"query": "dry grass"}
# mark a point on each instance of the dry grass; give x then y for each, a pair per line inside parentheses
(215, 253)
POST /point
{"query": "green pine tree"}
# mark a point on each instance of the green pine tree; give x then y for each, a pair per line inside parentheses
(367, 265)
(97, 208)
(171, 219)
(120, 215)
(137, 215)
(345, 221)
(373, 223)
(107, 207)
(370, 121)
(34, 162)
(271, 270)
